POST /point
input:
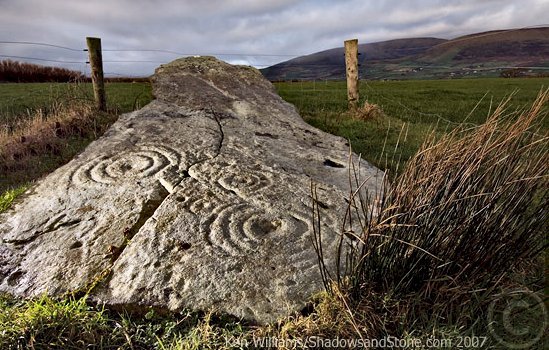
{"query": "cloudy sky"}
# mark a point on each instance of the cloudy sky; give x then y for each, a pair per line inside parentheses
(257, 32)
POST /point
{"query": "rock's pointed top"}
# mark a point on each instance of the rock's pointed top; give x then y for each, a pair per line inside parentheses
(201, 82)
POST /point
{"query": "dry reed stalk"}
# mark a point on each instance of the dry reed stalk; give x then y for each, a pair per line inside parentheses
(41, 135)
(467, 208)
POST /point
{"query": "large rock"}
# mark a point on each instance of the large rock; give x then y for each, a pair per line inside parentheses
(199, 200)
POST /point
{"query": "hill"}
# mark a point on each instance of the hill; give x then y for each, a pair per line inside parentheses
(480, 54)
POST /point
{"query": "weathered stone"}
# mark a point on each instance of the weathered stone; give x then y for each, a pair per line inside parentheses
(199, 200)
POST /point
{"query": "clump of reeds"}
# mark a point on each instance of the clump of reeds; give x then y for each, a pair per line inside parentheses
(467, 208)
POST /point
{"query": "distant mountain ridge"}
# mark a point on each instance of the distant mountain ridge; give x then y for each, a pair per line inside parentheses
(481, 54)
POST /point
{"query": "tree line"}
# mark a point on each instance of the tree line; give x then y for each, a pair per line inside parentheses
(21, 72)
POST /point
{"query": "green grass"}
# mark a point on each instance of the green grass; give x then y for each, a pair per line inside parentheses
(77, 323)
(74, 323)
(7, 198)
(422, 105)
(18, 100)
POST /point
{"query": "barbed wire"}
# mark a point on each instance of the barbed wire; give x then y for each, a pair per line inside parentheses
(287, 64)
(40, 44)
(339, 65)
(308, 65)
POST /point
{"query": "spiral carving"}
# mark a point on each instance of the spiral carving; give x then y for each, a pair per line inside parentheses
(143, 162)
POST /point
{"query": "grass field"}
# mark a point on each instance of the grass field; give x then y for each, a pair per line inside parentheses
(17, 100)
(417, 101)
(411, 109)
(418, 106)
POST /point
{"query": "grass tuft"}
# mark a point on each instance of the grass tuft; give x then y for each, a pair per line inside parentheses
(368, 111)
(45, 323)
(7, 198)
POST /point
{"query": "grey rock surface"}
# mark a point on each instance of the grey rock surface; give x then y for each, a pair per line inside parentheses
(199, 200)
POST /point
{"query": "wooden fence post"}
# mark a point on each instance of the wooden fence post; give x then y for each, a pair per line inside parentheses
(96, 63)
(351, 65)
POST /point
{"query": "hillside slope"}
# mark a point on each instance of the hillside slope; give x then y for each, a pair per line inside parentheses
(529, 45)
(479, 54)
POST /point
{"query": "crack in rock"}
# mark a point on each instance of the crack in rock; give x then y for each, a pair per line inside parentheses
(219, 146)
(222, 134)
(148, 210)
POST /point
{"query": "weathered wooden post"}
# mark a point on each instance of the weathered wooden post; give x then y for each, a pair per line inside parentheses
(96, 63)
(351, 65)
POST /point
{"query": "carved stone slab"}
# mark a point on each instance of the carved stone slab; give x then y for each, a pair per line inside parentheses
(199, 200)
